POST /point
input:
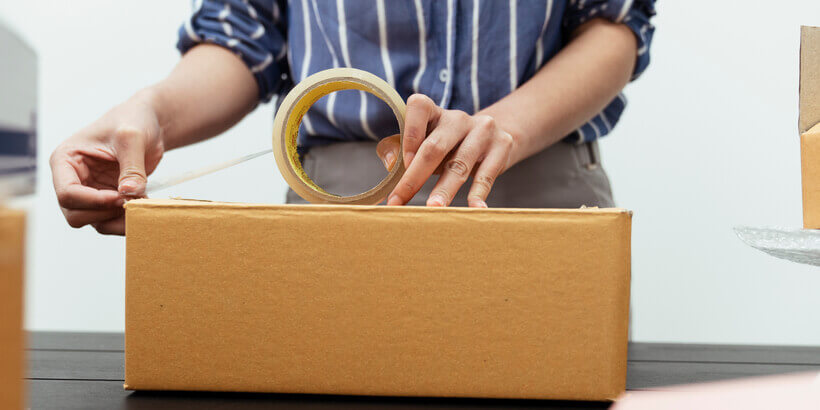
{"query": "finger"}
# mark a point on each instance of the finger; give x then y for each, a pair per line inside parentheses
(486, 174)
(63, 172)
(111, 227)
(82, 197)
(430, 155)
(421, 112)
(80, 218)
(130, 149)
(457, 169)
(72, 194)
(388, 150)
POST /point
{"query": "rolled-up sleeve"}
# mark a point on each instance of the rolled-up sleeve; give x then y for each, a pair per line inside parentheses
(635, 14)
(252, 29)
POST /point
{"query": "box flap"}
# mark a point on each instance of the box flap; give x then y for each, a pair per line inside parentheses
(193, 203)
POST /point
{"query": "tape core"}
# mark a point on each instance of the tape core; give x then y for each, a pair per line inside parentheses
(289, 117)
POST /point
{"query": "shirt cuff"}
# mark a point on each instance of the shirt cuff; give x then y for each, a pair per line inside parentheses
(241, 34)
(635, 14)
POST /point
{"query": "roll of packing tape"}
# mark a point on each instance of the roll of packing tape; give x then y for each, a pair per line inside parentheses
(289, 118)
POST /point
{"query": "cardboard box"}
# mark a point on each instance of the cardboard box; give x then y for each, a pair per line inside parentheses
(810, 164)
(12, 231)
(369, 300)
(808, 124)
(809, 77)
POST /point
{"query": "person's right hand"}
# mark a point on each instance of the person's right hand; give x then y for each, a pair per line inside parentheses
(107, 162)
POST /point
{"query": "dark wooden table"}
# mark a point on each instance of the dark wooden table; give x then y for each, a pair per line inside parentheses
(85, 371)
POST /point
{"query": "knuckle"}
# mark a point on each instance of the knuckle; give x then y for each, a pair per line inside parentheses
(52, 160)
(418, 99)
(64, 198)
(127, 132)
(458, 167)
(131, 172)
(62, 153)
(505, 140)
(408, 187)
(102, 229)
(434, 148)
(126, 137)
(459, 116)
(413, 134)
(484, 122)
(72, 220)
(444, 193)
(484, 181)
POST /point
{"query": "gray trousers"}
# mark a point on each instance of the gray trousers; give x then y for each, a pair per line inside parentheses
(562, 176)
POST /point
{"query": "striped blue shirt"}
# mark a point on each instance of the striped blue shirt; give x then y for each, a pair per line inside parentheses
(464, 54)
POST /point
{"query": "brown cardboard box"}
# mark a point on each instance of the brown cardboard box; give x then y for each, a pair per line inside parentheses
(808, 124)
(809, 77)
(406, 301)
(810, 162)
(12, 231)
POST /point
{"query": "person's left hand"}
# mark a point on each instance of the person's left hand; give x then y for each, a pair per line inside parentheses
(452, 143)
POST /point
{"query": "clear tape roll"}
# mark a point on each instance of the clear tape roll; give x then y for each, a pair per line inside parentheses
(289, 117)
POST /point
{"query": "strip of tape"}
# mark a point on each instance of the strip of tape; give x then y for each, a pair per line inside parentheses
(289, 117)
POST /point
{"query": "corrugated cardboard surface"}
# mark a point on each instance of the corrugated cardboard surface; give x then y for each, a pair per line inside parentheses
(809, 127)
(809, 77)
(810, 164)
(405, 301)
(12, 229)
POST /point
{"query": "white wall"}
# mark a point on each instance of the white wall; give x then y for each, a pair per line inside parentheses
(708, 142)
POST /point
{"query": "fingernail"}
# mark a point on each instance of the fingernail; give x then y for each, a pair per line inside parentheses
(120, 202)
(435, 200)
(394, 200)
(128, 187)
(481, 204)
(408, 157)
(389, 160)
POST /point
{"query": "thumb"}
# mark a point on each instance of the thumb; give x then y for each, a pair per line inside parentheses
(388, 150)
(130, 149)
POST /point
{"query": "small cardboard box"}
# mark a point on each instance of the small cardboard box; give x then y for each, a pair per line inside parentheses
(810, 164)
(809, 124)
(370, 300)
(12, 231)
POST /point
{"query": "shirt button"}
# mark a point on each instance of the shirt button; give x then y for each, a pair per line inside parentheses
(443, 75)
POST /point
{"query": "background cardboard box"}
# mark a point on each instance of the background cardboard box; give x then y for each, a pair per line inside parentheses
(809, 124)
(406, 301)
(810, 168)
(12, 229)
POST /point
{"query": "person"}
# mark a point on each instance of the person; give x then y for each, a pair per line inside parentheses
(505, 100)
